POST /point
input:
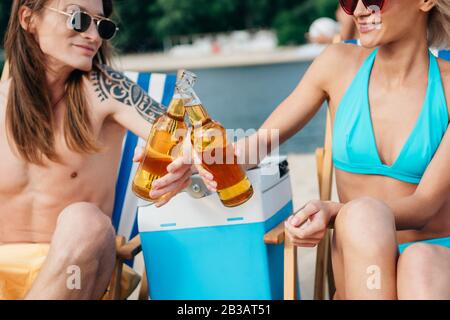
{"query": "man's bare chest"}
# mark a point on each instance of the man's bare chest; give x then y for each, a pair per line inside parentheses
(74, 168)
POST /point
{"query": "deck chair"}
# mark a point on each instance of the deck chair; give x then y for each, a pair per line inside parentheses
(161, 88)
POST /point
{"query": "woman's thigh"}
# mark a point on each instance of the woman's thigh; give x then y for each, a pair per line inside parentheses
(423, 272)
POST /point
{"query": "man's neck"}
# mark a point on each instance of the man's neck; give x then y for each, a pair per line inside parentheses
(56, 81)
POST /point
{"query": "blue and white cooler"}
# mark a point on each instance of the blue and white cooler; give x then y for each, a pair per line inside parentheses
(198, 249)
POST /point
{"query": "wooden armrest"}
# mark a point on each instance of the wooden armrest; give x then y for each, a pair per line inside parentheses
(276, 235)
(130, 249)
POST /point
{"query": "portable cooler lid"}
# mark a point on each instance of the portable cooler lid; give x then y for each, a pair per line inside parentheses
(272, 191)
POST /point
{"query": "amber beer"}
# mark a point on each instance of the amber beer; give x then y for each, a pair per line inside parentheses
(217, 155)
(163, 145)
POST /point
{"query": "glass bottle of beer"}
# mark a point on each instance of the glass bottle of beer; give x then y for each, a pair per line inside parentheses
(163, 145)
(217, 155)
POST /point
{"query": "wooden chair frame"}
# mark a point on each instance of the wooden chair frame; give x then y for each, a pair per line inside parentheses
(324, 271)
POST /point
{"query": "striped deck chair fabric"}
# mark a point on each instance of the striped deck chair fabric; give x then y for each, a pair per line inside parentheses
(161, 88)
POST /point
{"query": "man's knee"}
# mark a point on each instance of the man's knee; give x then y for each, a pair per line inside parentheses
(85, 226)
(363, 220)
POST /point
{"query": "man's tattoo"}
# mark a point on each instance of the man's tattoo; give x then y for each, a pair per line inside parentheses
(110, 83)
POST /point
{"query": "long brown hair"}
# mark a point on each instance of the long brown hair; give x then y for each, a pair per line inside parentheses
(29, 113)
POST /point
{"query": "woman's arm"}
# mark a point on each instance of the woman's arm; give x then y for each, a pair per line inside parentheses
(412, 212)
(415, 211)
(296, 110)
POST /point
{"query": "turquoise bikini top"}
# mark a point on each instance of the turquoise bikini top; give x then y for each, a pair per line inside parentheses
(354, 145)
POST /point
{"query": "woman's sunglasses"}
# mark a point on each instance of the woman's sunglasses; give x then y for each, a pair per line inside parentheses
(349, 6)
(80, 21)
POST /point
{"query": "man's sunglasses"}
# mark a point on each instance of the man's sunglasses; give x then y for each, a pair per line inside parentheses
(349, 6)
(80, 21)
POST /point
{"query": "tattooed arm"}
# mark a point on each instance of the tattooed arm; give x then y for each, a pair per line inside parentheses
(131, 106)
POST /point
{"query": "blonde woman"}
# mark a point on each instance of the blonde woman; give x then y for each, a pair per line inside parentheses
(389, 101)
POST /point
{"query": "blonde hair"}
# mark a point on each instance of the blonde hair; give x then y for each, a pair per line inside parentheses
(439, 25)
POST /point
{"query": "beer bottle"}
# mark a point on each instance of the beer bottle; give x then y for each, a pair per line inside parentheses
(217, 155)
(163, 145)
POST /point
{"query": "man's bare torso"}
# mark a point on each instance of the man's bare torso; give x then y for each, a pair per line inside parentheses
(31, 196)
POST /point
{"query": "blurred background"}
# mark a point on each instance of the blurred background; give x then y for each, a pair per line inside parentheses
(249, 54)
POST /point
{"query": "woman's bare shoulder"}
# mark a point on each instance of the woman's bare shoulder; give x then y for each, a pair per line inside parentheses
(338, 63)
(344, 56)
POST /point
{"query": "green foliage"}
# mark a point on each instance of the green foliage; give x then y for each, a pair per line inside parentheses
(5, 7)
(198, 16)
(145, 24)
(292, 23)
(137, 20)
(326, 8)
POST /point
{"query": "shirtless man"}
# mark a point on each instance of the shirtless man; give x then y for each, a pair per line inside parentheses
(66, 199)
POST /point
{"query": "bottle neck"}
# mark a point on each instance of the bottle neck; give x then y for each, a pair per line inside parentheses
(176, 108)
(195, 110)
(197, 115)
